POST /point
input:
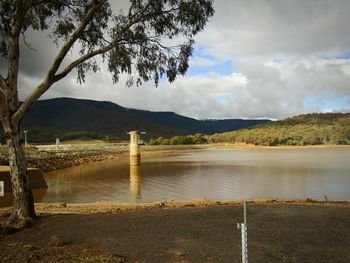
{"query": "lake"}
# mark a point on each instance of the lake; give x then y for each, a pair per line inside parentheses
(241, 173)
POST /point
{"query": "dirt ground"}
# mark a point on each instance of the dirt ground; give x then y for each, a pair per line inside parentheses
(277, 232)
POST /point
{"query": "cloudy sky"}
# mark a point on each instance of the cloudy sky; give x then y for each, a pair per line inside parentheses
(255, 59)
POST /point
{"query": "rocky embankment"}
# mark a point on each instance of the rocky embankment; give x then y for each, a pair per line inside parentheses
(51, 157)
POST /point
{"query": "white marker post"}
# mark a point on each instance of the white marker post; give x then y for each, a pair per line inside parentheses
(244, 234)
(57, 143)
(25, 138)
(2, 191)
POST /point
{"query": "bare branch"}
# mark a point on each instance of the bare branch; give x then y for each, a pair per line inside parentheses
(130, 9)
(49, 79)
(168, 48)
(80, 60)
(26, 43)
(154, 14)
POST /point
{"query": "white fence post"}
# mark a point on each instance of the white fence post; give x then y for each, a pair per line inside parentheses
(244, 234)
(2, 190)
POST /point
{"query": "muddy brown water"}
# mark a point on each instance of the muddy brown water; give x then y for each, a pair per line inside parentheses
(317, 173)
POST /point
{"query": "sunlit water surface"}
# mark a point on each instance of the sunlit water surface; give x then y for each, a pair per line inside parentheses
(316, 173)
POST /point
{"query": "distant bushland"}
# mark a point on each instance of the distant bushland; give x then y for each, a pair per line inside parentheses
(180, 140)
(306, 129)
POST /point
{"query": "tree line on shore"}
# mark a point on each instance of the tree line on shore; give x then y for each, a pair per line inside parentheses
(307, 129)
(197, 138)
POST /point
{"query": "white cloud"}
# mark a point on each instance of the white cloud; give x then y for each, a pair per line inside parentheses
(248, 28)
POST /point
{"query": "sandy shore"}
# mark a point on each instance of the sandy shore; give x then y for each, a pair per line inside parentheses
(112, 207)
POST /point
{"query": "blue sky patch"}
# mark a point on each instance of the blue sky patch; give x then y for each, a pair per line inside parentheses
(214, 65)
(223, 98)
(330, 101)
(219, 67)
(345, 55)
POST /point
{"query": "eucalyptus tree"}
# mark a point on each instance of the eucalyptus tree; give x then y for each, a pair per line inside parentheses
(149, 40)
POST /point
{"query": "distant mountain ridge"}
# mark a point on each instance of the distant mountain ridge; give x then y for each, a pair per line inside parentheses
(68, 118)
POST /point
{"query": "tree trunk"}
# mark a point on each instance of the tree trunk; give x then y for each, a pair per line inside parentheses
(23, 212)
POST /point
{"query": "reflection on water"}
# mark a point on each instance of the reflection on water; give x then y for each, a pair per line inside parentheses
(214, 174)
(135, 181)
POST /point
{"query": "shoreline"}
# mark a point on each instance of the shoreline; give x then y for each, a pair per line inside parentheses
(115, 206)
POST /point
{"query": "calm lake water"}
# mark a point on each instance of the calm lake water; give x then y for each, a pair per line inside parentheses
(213, 174)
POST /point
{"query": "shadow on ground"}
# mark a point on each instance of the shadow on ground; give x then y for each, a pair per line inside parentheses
(276, 233)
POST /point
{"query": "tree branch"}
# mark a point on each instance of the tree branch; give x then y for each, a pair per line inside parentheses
(167, 48)
(2, 81)
(55, 2)
(130, 9)
(49, 79)
(80, 60)
(105, 49)
(39, 2)
(140, 14)
(13, 55)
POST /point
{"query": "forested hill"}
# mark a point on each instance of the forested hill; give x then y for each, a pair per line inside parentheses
(307, 129)
(68, 119)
